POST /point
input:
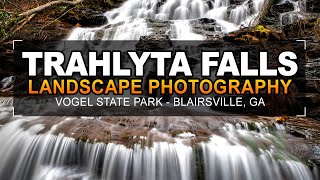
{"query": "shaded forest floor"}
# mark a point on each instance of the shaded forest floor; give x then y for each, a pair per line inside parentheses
(53, 23)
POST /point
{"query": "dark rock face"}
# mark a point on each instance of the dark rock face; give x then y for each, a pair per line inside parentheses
(95, 20)
(307, 88)
(309, 29)
(282, 7)
(313, 6)
(290, 17)
(313, 86)
(157, 41)
(206, 20)
(85, 17)
(8, 65)
(205, 24)
(236, 2)
(159, 26)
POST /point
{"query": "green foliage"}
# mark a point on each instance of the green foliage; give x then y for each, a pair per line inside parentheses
(3, 15)
(262, 32)
(7, 21)
(111, 2)
(262, 29)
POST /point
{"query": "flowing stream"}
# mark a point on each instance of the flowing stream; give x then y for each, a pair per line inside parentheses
(297, 13)
(41, 148)
(33, 149)
(132, 19)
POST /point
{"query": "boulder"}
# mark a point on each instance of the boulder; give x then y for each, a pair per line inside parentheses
(206, 21)
(85, 17)
(236, 2)
(158, 26)
(313, 86)
(7, 82)
(204, 26)
(282, 7)
(289, 17)
(156, 41)
(313, 6)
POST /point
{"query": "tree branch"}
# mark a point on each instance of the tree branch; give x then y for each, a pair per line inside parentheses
(48, 5)
(24, 22)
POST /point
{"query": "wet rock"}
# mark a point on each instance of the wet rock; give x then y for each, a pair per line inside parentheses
(95, 20)
(300, 149)
(206, 21)
(313, 6)
(7, 83)
(205, 24)
(7, 65)
(315, 112)
(290, 17)
(251, 7)
(313, 86)
(216, 37)
(157, 41)
(236, 2)
(158, 23)
(126, 122)
(311, 100)
(282, 7)
(158, 26)
(296, 133)
(150, 124)
(314, 50)
(158, 5)
(85, 17)
(315, 154)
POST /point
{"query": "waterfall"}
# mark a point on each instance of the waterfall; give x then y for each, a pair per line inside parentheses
(236, 153)
(246, 12)
(292, 16)
(6, 100)
(37, 148)
(183, 31)
(128, 22)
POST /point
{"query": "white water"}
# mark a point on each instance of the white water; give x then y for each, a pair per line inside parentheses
(292, 16)
(236, 153)
(128, 22)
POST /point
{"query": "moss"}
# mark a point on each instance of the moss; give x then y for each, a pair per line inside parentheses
(252, 144)
(262, 32)
(252, 127)
(7, 22)
(111, 2)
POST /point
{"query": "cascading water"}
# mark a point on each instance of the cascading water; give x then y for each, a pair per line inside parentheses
(29, 151)
(37, 147)
(131, 20)
(292, 16)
